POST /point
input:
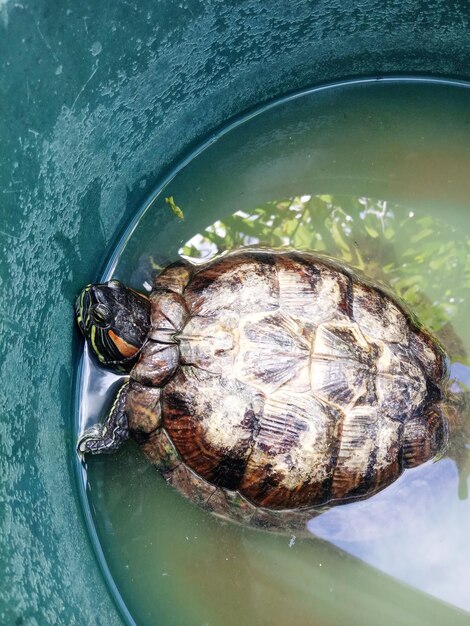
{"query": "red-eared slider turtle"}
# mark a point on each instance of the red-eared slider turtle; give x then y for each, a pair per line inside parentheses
(266, 384)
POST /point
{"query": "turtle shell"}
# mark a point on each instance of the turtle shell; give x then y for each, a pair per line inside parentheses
(283, 382)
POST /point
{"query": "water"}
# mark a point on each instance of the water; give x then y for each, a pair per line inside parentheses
(373, 173)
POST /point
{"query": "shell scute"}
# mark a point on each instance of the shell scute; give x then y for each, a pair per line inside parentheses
(425, 435)
(342, 364)
(314, 293)
(400, 385)
(236, 285)
(211, 422)
(143, 408)
(293, 451)
(368, 453)
(168, 314)
(209, 343)
(378, 316)
(272, 350)
(173, 278)
(157, 363)
(430, 355)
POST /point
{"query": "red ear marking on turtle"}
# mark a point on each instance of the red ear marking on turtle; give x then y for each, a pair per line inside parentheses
(126, 349)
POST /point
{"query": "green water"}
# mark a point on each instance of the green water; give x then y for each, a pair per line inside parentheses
(375, 174)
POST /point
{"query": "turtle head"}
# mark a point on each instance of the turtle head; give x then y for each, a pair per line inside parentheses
(115, 321)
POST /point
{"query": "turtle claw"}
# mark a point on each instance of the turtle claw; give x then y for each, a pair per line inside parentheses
(90, 441)
(104, 439)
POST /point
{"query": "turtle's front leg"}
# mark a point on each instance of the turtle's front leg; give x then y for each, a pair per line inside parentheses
(110, 435)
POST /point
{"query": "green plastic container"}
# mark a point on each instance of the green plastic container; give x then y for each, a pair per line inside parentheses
(99, 100)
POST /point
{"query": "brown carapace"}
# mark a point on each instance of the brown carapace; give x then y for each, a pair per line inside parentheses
(272, 384)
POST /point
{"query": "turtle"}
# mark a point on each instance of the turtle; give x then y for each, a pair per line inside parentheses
(267, 385)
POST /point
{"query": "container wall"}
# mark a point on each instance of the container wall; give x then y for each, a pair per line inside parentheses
(98, 100)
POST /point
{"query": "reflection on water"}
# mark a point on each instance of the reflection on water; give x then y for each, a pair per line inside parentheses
(414, 530)
(101, 385)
